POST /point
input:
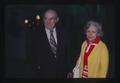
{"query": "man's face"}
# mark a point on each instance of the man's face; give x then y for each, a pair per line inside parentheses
(50, 19)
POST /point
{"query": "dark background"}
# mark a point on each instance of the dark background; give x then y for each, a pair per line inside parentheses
(72, 18)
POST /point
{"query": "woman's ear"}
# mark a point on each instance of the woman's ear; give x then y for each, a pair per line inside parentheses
(85, 32)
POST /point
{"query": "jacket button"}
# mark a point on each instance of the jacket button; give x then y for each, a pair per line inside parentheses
(55, 56)
(38, 67)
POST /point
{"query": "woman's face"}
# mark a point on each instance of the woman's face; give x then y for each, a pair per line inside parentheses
(91, 33)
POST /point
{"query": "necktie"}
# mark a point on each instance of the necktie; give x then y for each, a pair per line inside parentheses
(53, 43)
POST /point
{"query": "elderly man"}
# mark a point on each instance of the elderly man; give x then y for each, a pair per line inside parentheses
(48, 49)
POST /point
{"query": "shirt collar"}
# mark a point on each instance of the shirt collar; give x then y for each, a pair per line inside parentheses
(54, 29)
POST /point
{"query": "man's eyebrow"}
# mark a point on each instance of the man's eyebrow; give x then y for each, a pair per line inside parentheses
(51, 17)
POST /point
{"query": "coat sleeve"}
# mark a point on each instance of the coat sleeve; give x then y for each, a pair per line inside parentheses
(104, 61)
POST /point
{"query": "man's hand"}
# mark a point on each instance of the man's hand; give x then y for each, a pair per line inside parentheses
(70, 75)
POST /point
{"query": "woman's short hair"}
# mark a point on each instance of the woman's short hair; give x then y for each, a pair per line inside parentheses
(97, 25)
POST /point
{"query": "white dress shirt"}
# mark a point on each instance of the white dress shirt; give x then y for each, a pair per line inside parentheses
(54, 34)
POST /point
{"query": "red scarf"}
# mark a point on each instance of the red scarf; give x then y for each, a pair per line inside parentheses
(87, 53)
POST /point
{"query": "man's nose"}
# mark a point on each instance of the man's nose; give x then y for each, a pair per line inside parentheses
(48, 21)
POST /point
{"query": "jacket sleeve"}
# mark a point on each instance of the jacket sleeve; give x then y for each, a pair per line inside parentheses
(104, 61)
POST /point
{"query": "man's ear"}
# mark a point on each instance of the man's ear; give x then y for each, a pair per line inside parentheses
(57, 19)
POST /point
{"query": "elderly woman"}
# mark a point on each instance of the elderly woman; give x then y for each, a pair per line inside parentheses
(94, 57)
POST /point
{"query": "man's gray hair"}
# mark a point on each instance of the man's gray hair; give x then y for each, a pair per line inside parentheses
(51, 10)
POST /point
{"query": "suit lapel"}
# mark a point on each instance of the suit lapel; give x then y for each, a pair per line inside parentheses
(45, 39)
(59, 40)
